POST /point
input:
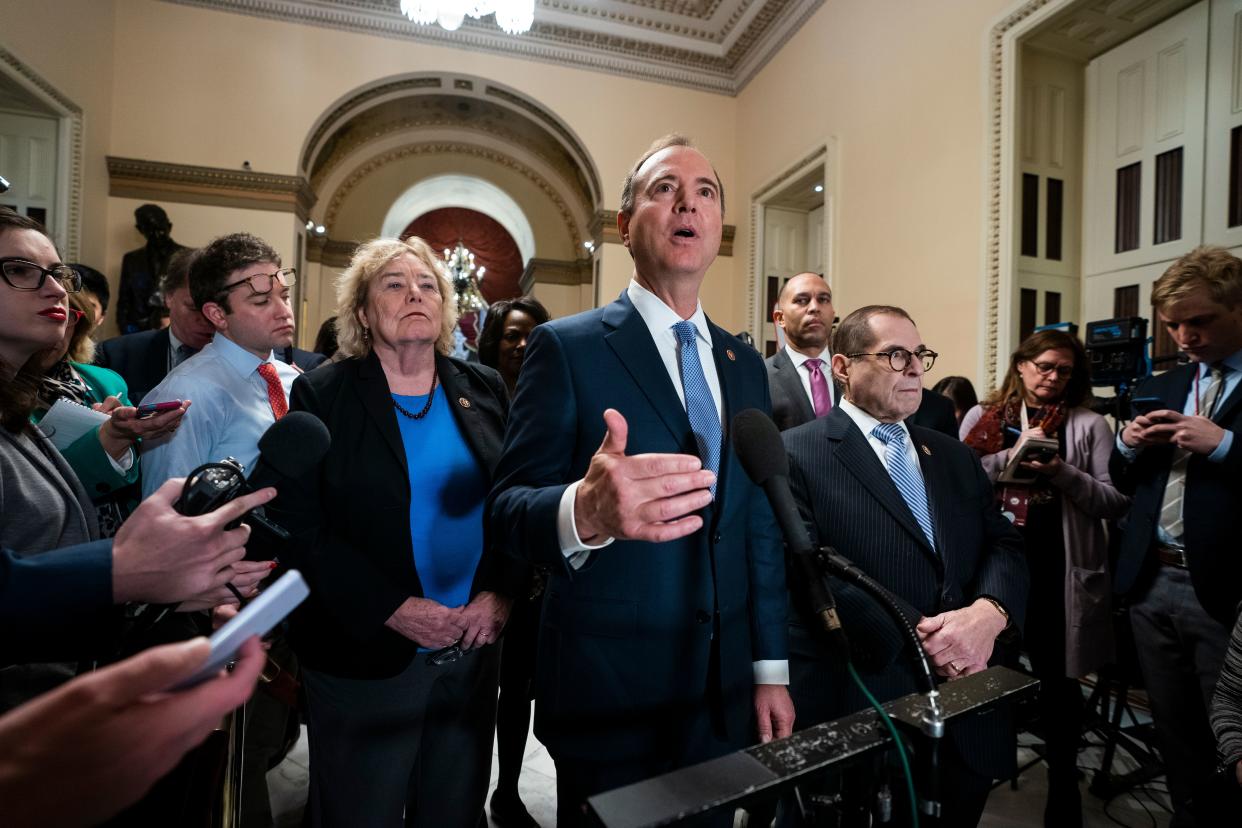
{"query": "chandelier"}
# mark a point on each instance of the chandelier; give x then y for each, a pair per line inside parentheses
(514, 16)
(465, 277)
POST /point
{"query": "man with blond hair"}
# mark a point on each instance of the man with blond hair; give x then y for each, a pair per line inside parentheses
(1179, 559)
(663, 630)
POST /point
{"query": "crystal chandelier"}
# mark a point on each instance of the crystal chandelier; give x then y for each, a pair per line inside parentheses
(514, 16)
(465, 277)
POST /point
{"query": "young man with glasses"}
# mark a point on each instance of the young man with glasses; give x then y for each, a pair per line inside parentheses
(237, 385)
(913, 508)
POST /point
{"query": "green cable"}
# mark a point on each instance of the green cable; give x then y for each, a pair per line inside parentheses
(901, 747)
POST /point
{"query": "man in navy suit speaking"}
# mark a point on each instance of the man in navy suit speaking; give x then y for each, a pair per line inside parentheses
(663, 636)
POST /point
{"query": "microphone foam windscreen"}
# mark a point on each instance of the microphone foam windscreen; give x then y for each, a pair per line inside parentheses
(294, 444)
(758, 445)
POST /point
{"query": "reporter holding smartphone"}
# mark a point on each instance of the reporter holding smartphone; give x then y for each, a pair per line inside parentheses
(1061, 515)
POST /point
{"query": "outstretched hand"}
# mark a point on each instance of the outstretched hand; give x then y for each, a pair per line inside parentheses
(650, 497)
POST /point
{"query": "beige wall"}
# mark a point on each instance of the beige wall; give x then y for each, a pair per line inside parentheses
(902, 87)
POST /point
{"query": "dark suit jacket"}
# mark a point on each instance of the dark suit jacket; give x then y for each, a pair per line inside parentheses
(142, 359)
(1213, 504)
(644, 637)
(48, 601)
(791, 406)
(849, 502)
(350, 520)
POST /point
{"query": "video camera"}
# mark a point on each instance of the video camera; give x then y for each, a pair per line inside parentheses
(1117, 353)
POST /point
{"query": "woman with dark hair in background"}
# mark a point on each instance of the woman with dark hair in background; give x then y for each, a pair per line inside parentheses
(502, 345)
(961, 392)
(1061, 515)
(105, 459)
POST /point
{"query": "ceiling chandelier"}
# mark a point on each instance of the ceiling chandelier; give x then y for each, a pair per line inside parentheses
(465, 277)
(514, 16)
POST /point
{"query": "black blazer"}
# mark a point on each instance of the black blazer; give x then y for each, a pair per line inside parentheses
(350, 519)
(1213, 510)
(142, 359)
(849, 502)
(791, 407)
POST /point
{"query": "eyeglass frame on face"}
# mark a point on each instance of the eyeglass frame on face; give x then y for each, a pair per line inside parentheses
(71, 283)
(923, 355)
(277, 276)
(1063, 372)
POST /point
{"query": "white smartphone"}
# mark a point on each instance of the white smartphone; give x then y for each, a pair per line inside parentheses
(257, 618)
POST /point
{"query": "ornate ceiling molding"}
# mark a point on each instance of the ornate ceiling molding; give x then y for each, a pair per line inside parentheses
(555, 272)
(190, 184)
(713, 45)
(452, 148)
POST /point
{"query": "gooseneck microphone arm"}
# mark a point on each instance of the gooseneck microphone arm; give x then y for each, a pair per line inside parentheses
(932, 721)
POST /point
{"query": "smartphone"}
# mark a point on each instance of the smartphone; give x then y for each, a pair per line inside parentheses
(1146, 405)
(151, 409)
(256, 618)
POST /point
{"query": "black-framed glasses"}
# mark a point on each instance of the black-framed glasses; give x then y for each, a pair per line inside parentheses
(261, 283)
(1046, 368)
(23, 274)
(899, 358)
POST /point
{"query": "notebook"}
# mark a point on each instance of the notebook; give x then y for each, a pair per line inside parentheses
(66, 421)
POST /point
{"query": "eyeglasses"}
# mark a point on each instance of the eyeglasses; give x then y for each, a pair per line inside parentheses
(899, 358)
(1046, 368)
(445, 655)
(261, 283)
(21, 274)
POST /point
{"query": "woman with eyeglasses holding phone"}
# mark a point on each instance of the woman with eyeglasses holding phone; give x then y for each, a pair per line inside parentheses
(1059, 497)
(408, 593)
(105, 459)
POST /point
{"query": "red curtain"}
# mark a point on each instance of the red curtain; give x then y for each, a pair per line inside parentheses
(483, 236)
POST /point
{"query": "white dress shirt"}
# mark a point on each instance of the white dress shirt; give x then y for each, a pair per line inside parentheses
(799, 361)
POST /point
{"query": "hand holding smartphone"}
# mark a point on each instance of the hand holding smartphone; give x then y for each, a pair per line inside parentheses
(151, 409)
(256, 618)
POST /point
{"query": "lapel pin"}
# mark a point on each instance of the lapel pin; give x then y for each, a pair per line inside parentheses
(463, 402)
(729, 353)
(926, 450)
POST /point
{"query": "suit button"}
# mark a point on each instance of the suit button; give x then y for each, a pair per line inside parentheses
(702, 616)
(717, 538)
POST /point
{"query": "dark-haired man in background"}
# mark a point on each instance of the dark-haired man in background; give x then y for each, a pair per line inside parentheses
(800, 373)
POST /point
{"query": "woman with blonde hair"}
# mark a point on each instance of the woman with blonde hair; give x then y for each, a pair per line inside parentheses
(1061, 512)
(408, 595)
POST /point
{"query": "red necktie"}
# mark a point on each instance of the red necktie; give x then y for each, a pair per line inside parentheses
(275, 391)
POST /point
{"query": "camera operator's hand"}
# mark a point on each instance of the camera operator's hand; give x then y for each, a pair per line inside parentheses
(163, 557)
(110, 734)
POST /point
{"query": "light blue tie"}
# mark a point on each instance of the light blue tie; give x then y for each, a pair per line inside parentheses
(700, 407)
(905, 478)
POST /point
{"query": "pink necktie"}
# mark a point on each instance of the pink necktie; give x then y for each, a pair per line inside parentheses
(821, 397)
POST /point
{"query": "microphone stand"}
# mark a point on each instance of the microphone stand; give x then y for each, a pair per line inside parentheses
(932, 718)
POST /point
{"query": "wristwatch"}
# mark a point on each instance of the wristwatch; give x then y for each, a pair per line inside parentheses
(1004, 612)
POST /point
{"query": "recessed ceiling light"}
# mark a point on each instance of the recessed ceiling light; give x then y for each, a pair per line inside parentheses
(819, 188)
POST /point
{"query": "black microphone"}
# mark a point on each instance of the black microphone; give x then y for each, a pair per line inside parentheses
(289, 449)
(762, 454)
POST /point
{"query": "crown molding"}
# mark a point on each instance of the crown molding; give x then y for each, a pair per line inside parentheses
(555, 272)
(720, 53)
(216, 186)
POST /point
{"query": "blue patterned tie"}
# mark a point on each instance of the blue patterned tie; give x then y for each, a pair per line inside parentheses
(905, 478)
(700, 407)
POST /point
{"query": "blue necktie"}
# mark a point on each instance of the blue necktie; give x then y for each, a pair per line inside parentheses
(700, 407)
(905, 478)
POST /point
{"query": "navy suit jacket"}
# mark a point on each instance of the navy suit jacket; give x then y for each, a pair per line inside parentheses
(51, 602)
(644, 637)
(849, 502)
(1213, 504)
(142, 359)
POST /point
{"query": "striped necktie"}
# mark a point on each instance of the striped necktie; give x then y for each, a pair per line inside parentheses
(905, 478)
(700, 407)
(1175, 488)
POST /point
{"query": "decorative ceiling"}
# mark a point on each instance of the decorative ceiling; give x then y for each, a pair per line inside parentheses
(1087, 29)
(712, 45)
